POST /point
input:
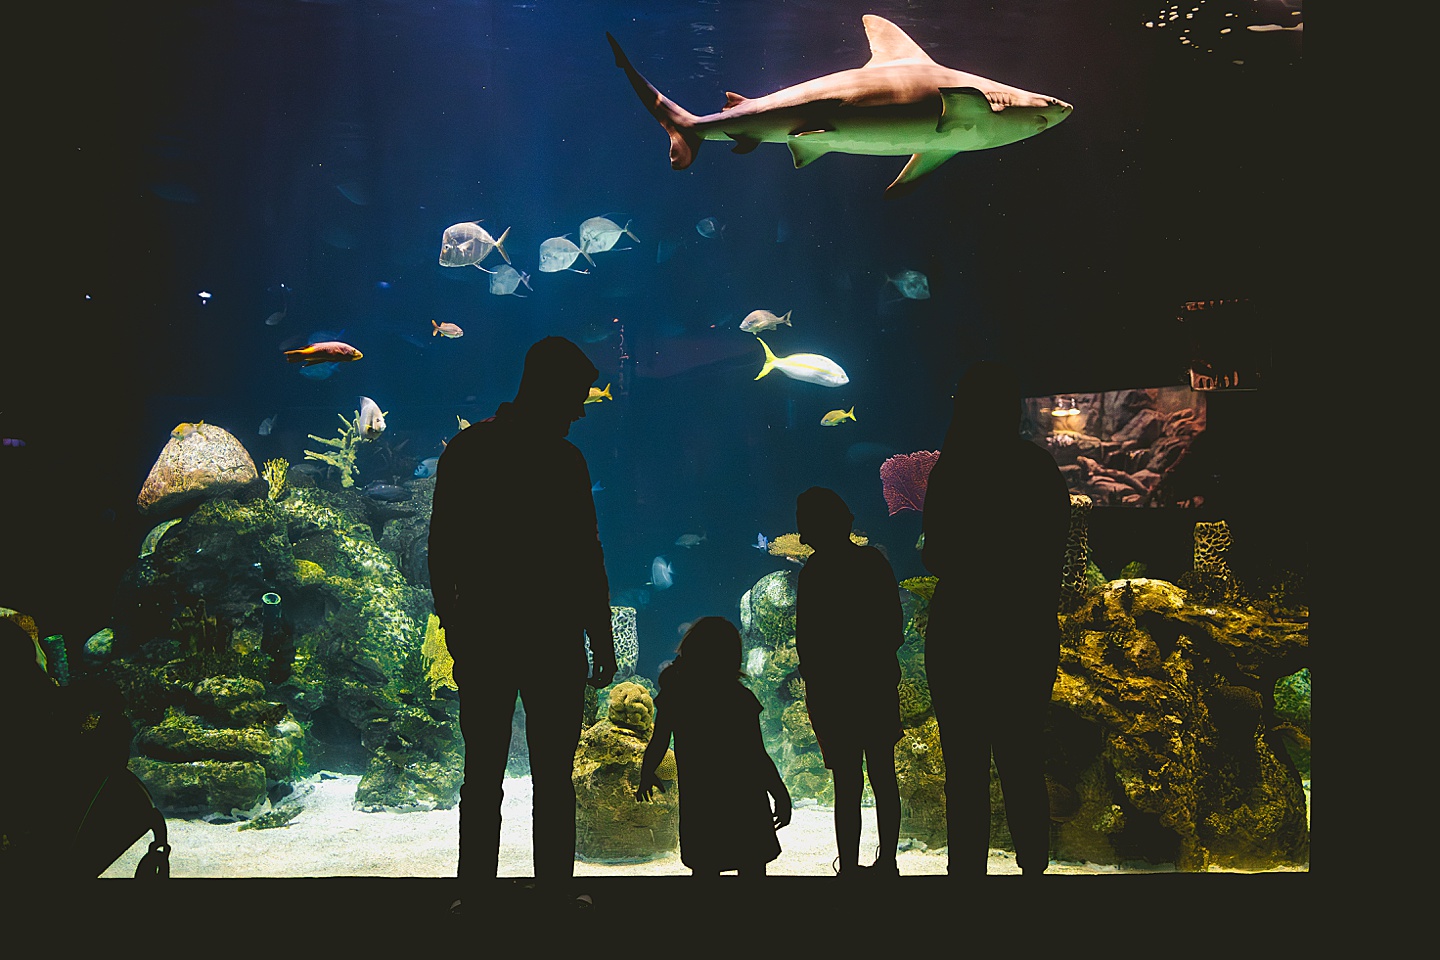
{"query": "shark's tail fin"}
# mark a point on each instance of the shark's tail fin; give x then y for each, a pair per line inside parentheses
(677, 121)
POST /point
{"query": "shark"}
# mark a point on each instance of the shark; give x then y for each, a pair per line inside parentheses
(901, 102)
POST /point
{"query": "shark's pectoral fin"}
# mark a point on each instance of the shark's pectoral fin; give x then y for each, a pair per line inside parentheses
(961, 108)
(805, 147)
(919, 165)
(743, 144)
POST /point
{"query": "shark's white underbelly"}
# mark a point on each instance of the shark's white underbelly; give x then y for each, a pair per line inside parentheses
(889, 137)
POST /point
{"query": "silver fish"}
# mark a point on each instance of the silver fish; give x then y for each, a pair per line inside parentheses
(662, 574)
(758, 320)
(466, 244)
(558, 253)
(370, 421)
(912, 284)
(267, 425)
(506, 279)
(599, 234)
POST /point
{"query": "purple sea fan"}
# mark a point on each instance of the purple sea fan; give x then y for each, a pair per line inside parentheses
(904, 477)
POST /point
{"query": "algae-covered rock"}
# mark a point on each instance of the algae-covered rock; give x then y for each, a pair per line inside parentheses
(610, 825)
(290, 605)
(234, 789)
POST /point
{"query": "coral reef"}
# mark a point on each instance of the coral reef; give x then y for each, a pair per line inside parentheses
(276, 474)
(343, 654)
(439, 665)
(788, 545)
(1074, 583)
(1163, 746)
(610, 826)
(627, 640)
(903, 479)
(345, 445)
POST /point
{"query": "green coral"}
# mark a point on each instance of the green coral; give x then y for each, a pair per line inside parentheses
(345, 445)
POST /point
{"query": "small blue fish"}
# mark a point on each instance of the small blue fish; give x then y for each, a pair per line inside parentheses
(595, 487)
(427, 467)
(318, 371)
(709, 228)
(762, 542)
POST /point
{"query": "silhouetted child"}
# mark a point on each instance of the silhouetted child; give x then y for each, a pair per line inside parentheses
(727, 780)
(848, 625)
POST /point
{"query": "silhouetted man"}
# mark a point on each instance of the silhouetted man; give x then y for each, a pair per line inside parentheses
(996, 515)
(518, 576)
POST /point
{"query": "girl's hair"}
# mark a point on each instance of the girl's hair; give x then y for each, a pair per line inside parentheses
(711, 649)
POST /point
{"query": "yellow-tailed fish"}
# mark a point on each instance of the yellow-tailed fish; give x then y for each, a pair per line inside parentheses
(596, 394)
(835, 417)
(810, 367)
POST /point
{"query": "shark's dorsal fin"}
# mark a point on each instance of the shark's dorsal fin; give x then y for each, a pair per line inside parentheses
(732, 100)
(889, 43)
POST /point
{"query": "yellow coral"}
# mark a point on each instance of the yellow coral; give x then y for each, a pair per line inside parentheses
(667, 769)
(789, 545)
(345, 444)
(276, 474)
(439, 665)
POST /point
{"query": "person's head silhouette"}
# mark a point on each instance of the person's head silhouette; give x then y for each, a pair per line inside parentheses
(987, 401)
(555, 382)
(710, 650)
(823, 517)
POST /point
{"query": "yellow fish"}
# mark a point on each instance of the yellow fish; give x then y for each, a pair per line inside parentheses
(835, 417)
(809, 367)
(596, 394)
(183, 430)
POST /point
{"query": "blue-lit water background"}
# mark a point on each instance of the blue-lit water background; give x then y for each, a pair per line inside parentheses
(221, 148)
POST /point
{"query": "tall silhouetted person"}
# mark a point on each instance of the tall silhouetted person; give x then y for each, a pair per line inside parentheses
(518, 576)
(732, 799)
(996, 515)
(848, 625)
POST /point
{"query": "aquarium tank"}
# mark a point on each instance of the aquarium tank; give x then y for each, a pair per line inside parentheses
(281, 253)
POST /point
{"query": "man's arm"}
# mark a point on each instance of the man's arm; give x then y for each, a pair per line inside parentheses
(596, 590)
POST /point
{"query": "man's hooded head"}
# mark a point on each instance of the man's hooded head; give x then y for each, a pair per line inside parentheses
(556, 380)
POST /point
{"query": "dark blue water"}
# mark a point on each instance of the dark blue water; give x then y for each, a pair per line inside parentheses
(221, 148)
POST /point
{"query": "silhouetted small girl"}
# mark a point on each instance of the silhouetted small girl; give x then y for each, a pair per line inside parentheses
(728, 781)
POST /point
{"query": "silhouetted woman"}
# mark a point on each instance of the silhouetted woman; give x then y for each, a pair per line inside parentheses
(996, 515)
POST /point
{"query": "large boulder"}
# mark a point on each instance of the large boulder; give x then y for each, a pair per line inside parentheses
(200, 460)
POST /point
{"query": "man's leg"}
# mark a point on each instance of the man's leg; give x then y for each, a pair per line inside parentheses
(485, 719)
(554, 710)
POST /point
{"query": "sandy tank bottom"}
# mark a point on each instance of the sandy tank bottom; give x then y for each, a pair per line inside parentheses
(330, 838)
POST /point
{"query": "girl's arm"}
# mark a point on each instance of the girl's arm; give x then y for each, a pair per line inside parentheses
(654, 753)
